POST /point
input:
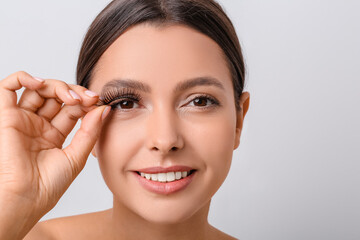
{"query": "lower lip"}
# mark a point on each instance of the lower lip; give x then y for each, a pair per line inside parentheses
(165, 187)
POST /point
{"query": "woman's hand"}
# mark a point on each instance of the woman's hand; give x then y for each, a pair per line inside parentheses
(34, 169)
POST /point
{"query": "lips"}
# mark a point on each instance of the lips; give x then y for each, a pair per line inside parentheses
(164, 170)
(168, 180)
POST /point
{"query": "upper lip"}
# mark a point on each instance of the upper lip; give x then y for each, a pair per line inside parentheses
(159, 169)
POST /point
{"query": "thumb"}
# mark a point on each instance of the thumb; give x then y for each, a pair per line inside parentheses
(85, 138)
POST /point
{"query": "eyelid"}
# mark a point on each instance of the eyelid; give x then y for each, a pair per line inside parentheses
(108, 97)
(114, 96)
(123, 98)
(214, 101)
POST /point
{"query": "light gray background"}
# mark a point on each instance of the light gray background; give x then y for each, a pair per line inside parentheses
(296, 173)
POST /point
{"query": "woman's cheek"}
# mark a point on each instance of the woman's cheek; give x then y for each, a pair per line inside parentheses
(213, 137)
(118, 143)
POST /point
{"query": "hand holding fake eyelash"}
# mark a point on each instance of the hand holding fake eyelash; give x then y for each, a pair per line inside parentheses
(125, 99)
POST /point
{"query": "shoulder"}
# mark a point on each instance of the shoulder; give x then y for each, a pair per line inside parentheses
(216, 234)
(84, 226)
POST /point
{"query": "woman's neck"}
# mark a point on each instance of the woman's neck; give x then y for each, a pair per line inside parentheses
(128, 225)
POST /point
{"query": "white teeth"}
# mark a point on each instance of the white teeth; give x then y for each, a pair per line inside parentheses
(170, 176)
(164, 177)
(154, 177)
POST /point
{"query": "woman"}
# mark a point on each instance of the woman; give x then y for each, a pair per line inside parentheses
(160, 94)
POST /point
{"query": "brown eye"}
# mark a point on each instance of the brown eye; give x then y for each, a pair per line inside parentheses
(201, 101)
(204, 101)
(126, 104)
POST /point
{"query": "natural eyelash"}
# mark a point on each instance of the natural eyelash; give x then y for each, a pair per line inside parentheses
(213, 100)
(114, 94)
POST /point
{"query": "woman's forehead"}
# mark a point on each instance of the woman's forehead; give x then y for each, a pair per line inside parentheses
(161, 55)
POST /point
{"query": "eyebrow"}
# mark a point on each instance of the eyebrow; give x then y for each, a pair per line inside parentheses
(182, 86)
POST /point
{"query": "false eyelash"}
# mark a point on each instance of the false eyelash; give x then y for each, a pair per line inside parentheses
(114, 94)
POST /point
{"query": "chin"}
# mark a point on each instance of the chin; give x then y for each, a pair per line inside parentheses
(167, 217)
(169, 210)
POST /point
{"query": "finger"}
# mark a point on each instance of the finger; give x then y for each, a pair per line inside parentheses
(88, 97)
(60, 90)
(84, 140)
(49, 109)
(14, 82)
(49, 88)
(68, 116)
(30, 100)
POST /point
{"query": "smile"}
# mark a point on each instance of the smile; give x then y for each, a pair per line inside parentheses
(165, 177)
(165, 180)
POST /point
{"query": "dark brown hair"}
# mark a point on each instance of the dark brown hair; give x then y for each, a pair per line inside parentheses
(206, 16)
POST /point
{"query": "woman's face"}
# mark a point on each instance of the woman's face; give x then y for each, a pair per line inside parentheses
(173, 111)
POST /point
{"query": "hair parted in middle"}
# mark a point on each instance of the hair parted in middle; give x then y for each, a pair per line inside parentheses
(205, 16)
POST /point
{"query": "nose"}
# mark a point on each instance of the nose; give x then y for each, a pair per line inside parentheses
(163, 132)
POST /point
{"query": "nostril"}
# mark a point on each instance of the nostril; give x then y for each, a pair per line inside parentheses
(173, 149)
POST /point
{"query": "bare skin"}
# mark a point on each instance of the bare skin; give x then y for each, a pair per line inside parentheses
(34, 169)
(98, 225)
(151, 129)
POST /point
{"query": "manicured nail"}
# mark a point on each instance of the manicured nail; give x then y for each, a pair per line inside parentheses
(105, 112)
(74, 95)
(90, 93)
(39, 79)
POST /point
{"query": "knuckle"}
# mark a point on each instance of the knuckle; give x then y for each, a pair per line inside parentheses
(73, 113)
(77, 87)
(70, 114)
(22, 74)
(57, 86)
(62, 86)
(58, 83)
(86, 133)
(15, 75)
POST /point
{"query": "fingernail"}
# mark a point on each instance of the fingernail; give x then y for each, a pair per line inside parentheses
(90, 93)
(39, 79)
(74, 95)
(105, 112)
